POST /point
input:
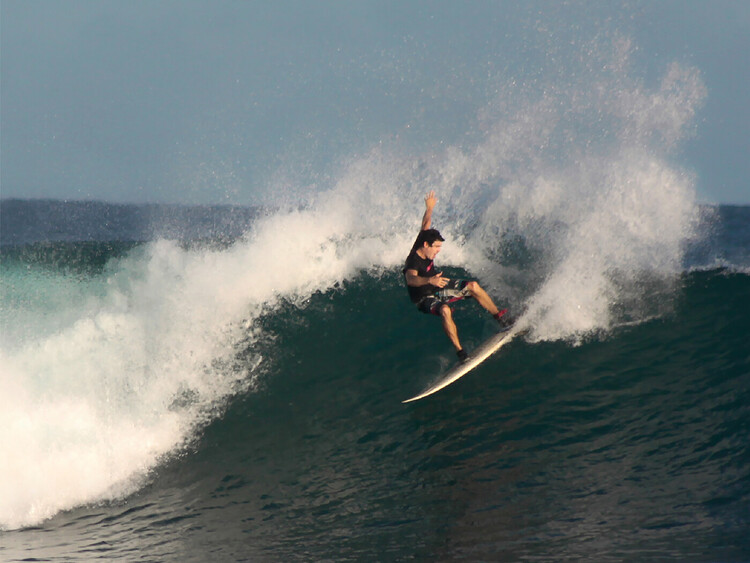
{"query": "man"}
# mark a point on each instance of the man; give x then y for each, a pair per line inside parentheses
(432, 292)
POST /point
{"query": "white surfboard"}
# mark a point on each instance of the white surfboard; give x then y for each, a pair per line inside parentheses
(487, 348)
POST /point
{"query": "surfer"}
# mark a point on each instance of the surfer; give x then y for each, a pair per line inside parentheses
(431, 291)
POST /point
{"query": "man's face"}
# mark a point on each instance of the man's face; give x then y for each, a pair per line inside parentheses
(431, 250)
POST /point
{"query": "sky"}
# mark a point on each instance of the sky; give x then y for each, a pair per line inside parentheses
(198, 102)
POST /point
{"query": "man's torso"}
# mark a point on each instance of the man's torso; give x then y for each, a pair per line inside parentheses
(425, 269)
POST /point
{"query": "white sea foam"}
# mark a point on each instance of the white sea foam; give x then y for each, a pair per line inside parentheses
(88, 410)
(580, 173)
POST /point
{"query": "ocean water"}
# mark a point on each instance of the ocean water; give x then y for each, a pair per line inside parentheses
(226, 384)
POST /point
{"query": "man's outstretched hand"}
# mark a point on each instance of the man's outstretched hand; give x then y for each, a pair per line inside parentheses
(430, 200)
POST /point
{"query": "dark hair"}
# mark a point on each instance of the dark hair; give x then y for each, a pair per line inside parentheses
(428, 236)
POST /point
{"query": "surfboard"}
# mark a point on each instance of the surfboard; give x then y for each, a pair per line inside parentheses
(485, 350)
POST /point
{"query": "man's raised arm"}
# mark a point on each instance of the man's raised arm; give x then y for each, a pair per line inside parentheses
(429, 201)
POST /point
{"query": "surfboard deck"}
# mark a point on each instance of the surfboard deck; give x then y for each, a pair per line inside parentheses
(484, 351)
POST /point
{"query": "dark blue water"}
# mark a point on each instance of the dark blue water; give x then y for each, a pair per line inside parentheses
(137, 426)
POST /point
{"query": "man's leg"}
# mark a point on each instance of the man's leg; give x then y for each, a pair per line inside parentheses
(449, 326)
(482, 298)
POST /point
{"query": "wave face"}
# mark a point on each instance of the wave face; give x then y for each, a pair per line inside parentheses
(241, 397)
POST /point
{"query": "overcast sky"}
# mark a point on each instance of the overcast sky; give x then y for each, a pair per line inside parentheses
(211, 102)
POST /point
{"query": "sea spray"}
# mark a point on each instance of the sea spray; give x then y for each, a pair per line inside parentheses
(563, 202)
(596, 218)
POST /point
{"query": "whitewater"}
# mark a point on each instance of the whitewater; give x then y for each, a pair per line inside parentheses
(90, 409)
(568, 203)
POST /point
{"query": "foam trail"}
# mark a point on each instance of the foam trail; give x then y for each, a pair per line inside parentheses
(567, 202)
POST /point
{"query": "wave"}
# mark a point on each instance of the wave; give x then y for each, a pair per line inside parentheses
(323, 444)
(569, 204)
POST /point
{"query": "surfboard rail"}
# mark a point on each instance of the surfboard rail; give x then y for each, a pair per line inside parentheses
(479, 355)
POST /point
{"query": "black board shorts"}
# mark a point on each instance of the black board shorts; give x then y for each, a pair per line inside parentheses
(454, 291)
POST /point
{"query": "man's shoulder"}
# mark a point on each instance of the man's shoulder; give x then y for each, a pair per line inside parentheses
(415, 261)
(413, 257)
